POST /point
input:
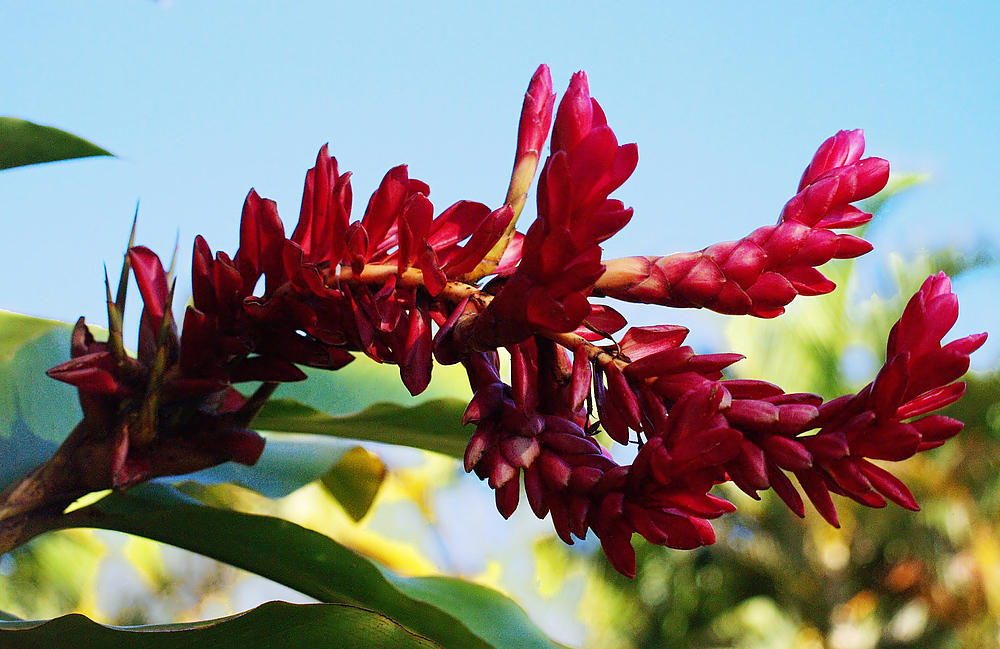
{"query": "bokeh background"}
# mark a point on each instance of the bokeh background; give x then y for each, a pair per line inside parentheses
(727, 101)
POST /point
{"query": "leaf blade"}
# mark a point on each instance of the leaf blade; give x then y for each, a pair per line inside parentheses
(288, 463)
(306, 561)
(275, 624)
(26, 143)
(434, 425)
(477, 608)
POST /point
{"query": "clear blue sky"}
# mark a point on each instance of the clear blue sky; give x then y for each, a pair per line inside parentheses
(726, 100)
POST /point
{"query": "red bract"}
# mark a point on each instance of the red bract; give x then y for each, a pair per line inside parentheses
(536, 117)
(402, 286)
(147, 417)
(880, 422)
(561, 256)
(325, 213)
(761, 273)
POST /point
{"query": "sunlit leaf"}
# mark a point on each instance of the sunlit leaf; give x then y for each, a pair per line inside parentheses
(17, 330)
(355, 481)
(432, 425)
(478, 607)
(312, 564)
(26, 143)
(275, 624)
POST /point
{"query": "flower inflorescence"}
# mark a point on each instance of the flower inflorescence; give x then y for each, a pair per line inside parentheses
(406, 287)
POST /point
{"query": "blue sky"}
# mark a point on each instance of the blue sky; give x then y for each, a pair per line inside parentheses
(727, 101)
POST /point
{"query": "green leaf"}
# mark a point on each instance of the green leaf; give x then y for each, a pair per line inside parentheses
(17, 330)
(25, 143)
(275, 624)
(365, 382)
(36, 412)
(440, 609)
(478, 607)
(433, 425)
(355, 480)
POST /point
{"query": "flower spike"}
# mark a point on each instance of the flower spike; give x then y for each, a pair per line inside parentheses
(536, 118)
(401, 284)
(761, 273)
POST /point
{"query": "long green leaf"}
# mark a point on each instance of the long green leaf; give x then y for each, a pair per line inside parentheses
(272, 625)
(478, 607)
(315, 565)
(432, 425)
(350, 473)
(26, 143)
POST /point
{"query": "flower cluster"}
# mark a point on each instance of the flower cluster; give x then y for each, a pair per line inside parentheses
(146, 417)
(406, 287)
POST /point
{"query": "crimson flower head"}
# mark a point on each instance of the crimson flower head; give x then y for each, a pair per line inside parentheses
(408, 284)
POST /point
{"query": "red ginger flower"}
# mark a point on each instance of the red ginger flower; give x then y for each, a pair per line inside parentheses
(365, 286)
(763, 272)
(373, 285)
(539, 427)
(376, 285)
(888, 420)
(400, 258)
(699, 430)
(694, 428)
(235, 335)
